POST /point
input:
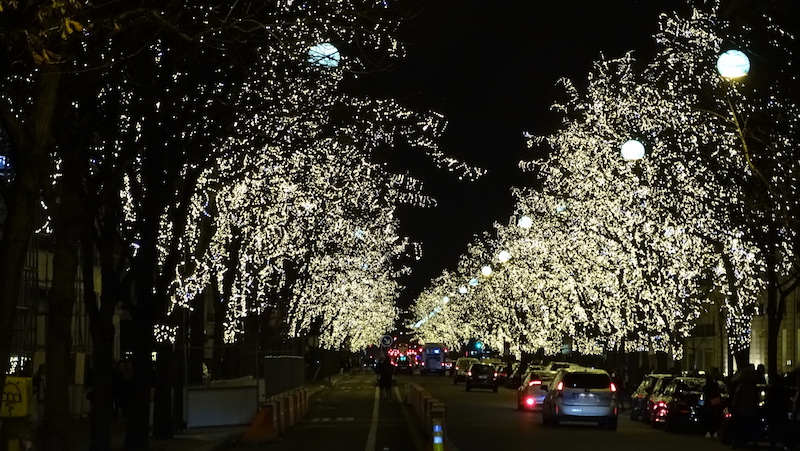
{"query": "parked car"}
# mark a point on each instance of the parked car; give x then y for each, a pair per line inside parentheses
(655, 393)
(681, 405)
(461, 368)
(581, 394)
(481, 375)
(519, 371)
(532, 390)
(640, 396)
(503, 373)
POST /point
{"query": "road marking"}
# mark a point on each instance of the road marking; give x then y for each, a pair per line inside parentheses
(373, 428)
(416, 437)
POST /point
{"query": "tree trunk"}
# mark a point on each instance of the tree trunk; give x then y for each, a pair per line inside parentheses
(197, 339)
(162, 391)
(32, 144)
(774, 313)
(67, 215)
(137, 430)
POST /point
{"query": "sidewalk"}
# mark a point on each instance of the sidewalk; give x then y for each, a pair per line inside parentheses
(195, 439)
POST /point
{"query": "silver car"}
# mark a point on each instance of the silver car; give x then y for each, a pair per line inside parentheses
(581, 394)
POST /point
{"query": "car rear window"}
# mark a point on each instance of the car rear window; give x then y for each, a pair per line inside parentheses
(482, 369)
(586, 380)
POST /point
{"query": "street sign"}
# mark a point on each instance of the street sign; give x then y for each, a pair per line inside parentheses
(386, 341)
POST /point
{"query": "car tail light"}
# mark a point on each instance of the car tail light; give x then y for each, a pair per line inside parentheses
(532, 383)
(560, 389)
(530, 402)
(613, 388)
(495, 374)
(469, 373)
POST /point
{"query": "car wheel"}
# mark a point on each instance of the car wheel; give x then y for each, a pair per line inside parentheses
(611, 424)
(468, 388)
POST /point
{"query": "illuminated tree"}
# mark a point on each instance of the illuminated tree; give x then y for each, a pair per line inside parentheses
(633, 250)
(144, 99)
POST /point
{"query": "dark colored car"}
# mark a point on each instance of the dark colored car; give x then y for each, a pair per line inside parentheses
(655, 393)
(404, 364)
(481, 375)
(641, 395)
(681, 405)
(774, 417)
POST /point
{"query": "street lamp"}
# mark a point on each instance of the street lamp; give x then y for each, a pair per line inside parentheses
(525, 222)
(324, 54)
(486, 271)
(632, 150)
(504, 256)
(733, 64)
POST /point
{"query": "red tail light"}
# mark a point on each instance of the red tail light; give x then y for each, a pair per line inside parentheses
(495, 374)
(613, 388)
(560, 386)
(532, 383)
(469, 373)
(530, 402)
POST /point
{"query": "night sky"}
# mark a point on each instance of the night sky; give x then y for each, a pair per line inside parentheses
(491, 67)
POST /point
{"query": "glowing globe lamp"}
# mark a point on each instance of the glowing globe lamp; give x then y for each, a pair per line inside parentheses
(632, 150)
(733, 64)
(462, 289)
(504, 256)
(525, 222)
(486, 270)
(325, 54)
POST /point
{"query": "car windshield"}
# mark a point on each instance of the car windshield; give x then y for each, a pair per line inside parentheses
(586, 380)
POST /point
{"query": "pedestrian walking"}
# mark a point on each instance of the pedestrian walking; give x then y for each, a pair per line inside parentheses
(385, 378)
(712, 404)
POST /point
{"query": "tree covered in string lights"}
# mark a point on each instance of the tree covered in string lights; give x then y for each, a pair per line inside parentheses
(120, 113)
(627, 255)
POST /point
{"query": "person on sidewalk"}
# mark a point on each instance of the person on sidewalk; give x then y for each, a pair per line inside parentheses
(712, 404)
(385, 377)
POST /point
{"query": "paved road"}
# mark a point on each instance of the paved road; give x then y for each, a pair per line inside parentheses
(351, 417)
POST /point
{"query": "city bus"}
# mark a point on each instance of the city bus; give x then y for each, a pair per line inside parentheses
(433, 359)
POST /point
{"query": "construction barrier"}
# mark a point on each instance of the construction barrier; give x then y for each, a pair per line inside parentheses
(275, 416)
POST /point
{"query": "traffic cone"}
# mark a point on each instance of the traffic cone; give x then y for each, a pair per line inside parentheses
(262, 428)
